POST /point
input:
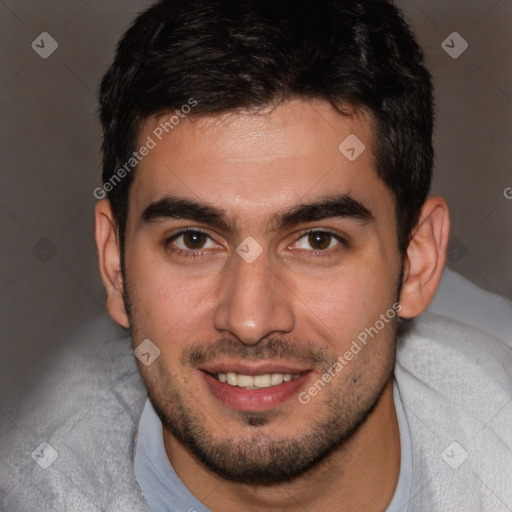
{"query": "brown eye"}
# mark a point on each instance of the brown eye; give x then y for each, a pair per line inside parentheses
(319, 240)
(194, 240)
(191, 243)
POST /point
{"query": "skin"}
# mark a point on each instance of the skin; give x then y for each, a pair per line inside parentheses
(305, 298)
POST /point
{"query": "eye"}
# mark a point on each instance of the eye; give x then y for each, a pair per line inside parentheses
(191, 240)
(318, 241)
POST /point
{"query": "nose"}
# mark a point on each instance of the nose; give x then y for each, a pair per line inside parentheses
(254, 303)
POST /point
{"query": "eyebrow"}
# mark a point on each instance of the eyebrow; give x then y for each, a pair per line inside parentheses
(342, 206)
(179, 208)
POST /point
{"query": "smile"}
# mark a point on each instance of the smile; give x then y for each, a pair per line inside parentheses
(254, 389)
(266, 380)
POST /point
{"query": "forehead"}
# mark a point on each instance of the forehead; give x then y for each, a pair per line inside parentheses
(253, 164)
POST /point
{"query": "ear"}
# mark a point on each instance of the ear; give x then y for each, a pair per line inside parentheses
(425, 258)
(109, 260)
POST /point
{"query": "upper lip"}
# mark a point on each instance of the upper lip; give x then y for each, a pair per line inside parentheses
(245, 368)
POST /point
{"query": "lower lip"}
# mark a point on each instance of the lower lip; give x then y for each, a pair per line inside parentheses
(254, 400)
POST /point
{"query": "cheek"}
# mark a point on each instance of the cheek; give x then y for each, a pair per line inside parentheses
(168, 304)
(165, 380)
(348, 301)
(153, 282)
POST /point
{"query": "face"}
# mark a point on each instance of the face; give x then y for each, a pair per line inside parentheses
(256, 254)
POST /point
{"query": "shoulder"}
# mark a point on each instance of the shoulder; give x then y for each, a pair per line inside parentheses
(462, 300)
(455, 382)
(454, 367)
(72, 442)
(454, 357)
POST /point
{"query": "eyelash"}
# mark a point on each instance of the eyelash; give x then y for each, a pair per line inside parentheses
(326, 253)
(199, 253)
(181, 252)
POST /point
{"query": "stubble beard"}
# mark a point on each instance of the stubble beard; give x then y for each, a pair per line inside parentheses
(340, 410)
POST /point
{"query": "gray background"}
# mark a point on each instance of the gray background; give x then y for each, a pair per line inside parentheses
(49, 150)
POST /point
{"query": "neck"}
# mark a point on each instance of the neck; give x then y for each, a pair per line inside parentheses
(361, 475)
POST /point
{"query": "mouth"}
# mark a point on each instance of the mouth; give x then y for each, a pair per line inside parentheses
(265, 380)
(254, 389)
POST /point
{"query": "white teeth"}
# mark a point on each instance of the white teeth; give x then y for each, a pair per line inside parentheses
(257, 381)
(276, 378)
(245, 381)
(261, 381)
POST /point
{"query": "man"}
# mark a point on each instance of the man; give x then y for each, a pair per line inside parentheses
(267, 233)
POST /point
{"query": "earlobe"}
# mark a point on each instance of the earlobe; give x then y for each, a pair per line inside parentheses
(109, 260)
(425, 258)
